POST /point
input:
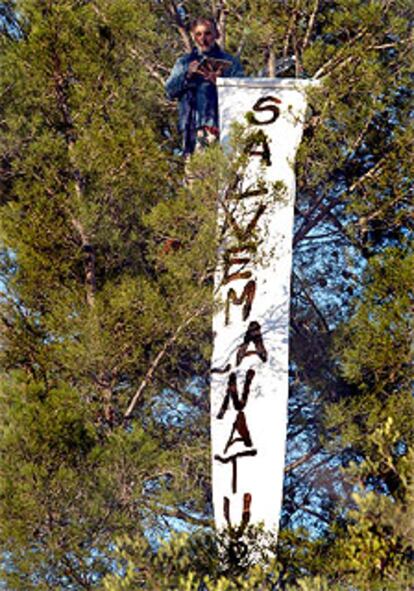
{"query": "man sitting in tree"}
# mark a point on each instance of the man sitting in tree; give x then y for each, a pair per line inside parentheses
(193, 82)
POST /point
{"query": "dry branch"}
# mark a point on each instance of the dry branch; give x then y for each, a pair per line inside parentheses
(159, 357)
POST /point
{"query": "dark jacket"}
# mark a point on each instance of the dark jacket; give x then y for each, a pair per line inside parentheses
(197, 97)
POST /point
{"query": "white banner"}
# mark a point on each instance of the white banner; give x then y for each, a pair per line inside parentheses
(249, 387)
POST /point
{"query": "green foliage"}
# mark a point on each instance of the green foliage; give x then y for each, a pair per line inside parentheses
(56, 489)
(200, 563)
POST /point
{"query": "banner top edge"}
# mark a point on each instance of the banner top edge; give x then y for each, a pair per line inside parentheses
(266, 82)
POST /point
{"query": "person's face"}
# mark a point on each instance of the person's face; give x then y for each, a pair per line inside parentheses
(204, 36)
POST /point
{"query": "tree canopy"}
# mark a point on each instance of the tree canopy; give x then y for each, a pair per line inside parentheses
(107, 258)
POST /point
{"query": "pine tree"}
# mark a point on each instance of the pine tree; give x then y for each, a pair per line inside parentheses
(86, 308)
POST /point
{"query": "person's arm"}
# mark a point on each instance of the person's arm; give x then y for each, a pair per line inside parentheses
(177, 82)
(236, 70)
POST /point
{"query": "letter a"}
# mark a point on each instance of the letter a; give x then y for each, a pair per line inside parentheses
(239, 425)
(256, 140)
(253, 335)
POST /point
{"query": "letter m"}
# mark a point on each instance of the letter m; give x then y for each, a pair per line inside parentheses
(246, 297)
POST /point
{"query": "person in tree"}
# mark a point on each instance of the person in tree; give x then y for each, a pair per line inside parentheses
(193, 82)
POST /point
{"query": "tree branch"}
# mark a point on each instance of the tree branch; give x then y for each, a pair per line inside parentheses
(337, 59)
(158, 358)
(312, 303)
(291, 26)
(180, 514)
(310, 25)
(271, 62)
(60, 84)
(221, 24)
(89, 260)
(173, 9)
(150, 69)
(303, 459)
(311, 223)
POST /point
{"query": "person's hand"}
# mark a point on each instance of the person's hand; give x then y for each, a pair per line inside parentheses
(209, 74)
(192, 68)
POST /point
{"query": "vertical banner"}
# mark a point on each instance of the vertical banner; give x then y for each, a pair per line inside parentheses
(249, 380)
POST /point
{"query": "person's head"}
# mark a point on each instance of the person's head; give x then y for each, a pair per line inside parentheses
(204, 33)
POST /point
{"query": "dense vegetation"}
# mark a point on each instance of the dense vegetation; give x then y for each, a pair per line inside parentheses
(106, 269)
